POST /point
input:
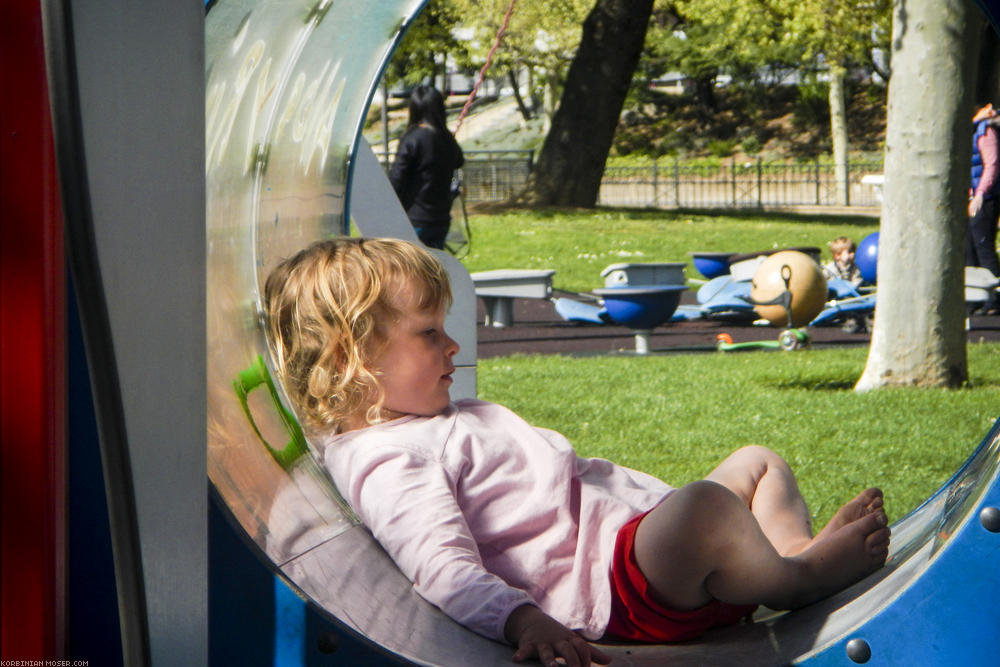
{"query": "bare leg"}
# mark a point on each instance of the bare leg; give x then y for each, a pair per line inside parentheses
(703, 542)
(767, 486)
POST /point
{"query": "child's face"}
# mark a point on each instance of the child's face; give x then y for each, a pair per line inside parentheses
(844, 257)
(414, 364)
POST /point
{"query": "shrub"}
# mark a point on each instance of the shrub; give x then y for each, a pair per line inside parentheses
(722, 147)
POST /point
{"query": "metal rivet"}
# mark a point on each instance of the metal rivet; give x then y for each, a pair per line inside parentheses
(990, 518)
(858, 650)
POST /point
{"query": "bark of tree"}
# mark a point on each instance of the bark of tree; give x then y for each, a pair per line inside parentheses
(571, 161)
(704, 93)
(521, 106)
(838, 134)
(919, 337)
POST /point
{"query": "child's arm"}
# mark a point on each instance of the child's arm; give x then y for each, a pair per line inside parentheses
(538, 635)
(409, 505)
(409, 498)
(989, 150)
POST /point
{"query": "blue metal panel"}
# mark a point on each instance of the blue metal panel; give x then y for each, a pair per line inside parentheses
(950, 613)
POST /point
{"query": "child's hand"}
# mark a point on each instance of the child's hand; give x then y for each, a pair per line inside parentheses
(538, 635)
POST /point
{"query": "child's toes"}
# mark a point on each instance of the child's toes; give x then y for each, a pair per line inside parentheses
(871, 524)
(879, 537)
(875, 519)
(871, 498)
(877, 544)
(876, 503)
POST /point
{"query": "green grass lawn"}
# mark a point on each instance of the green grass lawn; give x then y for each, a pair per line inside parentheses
(579, 244)
(676, 416)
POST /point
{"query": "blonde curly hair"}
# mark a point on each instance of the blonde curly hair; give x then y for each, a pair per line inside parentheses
(322, 310)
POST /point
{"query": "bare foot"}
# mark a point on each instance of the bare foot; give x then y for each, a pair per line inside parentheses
(844, 555)
(866, 502)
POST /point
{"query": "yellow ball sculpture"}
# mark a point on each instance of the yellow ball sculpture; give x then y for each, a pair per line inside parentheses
(801, 276)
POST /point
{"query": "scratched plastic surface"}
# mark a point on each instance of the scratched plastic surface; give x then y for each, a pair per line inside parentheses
(286, 90)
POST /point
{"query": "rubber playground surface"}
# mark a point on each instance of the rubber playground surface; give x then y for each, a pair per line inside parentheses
(538, 329)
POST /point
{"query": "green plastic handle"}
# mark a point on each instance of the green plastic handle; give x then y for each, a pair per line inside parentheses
(248, 380)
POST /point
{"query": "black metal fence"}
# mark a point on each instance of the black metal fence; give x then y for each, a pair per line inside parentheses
(490, 176)
(495, 175)
(753, 184)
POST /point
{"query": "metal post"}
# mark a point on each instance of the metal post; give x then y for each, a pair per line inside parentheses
(847, 184)
(732, 176)
(760, 185)
(677, 185)
(656, 186)
(817, 181)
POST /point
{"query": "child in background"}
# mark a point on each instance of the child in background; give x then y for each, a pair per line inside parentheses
(984, 198)
(500, 524)
(843, 267)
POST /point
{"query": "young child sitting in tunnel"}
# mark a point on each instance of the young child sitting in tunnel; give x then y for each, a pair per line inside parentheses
(501, 524)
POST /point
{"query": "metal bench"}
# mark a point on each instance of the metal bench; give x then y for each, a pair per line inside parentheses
(499, 288)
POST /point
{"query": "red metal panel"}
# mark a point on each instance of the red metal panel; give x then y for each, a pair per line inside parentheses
(32, 339)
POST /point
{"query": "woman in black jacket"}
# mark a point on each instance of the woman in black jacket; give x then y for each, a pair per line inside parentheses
(426, 160)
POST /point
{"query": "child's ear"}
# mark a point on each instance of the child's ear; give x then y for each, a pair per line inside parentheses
(340, 357)
(336, 360)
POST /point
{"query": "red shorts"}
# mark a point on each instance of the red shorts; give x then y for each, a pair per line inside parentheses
(636, 617)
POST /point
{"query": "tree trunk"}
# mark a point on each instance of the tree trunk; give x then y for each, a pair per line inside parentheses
(571, 161)
(704, 94)
(919, 337)
(521, 106)
(838, 133)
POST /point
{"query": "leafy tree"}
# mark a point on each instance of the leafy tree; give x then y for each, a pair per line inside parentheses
(753, 33)
(426, 47)
(688, 48)
(536, 48)
(701, 40)
(841, 33)
(918, 337)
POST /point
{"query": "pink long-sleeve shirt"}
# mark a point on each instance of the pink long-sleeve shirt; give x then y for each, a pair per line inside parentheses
(484, 512)
(989, 150)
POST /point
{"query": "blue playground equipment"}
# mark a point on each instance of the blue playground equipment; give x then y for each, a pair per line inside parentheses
(867, 258)
(711, 264)
(727, 298)
(640, 296)
(641, 308)
(653, 294)
(185, 176)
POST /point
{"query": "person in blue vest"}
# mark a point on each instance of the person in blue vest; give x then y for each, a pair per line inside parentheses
(425, 164)
(984, 196)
